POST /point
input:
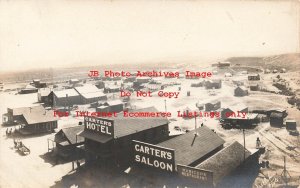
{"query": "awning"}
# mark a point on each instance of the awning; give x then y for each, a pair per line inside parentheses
(95, 136)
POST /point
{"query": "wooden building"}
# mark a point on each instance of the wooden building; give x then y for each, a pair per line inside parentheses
(90, 93)
(67, 97)
(108, 141)
(226, 161)
(15, 115)
(291, 124)
(240, 91)
(43, 95)
(213, 84)
(254, 86)
(276, 119)
(28, 89)
(32, 120)
(252, 77)
(212, 106)
(195, 146)
(111, 106)
(67, 141)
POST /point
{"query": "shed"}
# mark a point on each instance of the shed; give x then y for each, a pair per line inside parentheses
(253, 77)
(291, 124)
(213, 84)
(276, 119)
(212, 106)
(240, 91)
(66, 141)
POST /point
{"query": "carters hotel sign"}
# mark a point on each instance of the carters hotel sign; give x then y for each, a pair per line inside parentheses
(153, 156)
(99, 125)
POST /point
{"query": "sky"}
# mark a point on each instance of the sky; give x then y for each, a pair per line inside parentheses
(43, 34)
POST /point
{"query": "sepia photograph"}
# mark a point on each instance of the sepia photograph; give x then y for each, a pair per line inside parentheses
(149, 94)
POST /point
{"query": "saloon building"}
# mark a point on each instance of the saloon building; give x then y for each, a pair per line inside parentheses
(195, 159)
(173, 159)
(108, 141)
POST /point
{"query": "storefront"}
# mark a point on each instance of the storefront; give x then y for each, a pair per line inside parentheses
(108, 142)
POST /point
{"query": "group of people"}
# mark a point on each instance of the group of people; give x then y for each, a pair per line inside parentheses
(9, 131)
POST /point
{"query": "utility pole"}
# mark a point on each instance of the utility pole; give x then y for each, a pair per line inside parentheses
(285, 174)
(244, 144)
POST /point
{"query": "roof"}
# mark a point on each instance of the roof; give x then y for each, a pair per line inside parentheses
(70, 134)
(64, 93)
(30, 87)
(89, 91)
(124, 126)
(290, 121)
(280, 110)
(189, 148)
(22, 110)
(45, 91)
(93, 95)
(41, 116)
(225, 161)
(214, 81)
(253, 74)
(114, 102)
(276, 115)
(242, 88)
(74, 80)
(214, 102)
(88, 88)
(95, 136)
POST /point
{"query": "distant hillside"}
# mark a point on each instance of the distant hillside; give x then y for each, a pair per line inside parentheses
(288, 61)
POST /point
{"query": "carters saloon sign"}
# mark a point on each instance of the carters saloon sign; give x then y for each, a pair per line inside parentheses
(199, 175)
(153, 156)
(99, 125)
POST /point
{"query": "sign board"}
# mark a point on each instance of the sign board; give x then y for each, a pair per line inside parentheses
(153, 156)
(99, 125)
(199, 175)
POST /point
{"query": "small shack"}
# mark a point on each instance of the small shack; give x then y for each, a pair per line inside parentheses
(240, 91)
(212, 106)
(67, 141)
(253, 77)
(291, 124)
(213, 84)
(276, 119)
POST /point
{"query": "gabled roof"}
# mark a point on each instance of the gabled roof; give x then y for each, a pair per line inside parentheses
(89, 91)
(190, 148)
(93, 95)
(225, 161)
(44, 91)
(242, 88)
(70, 134)
(42, 116)
(88, 88)
(22, 110)
(114, 102)
(65, 92)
